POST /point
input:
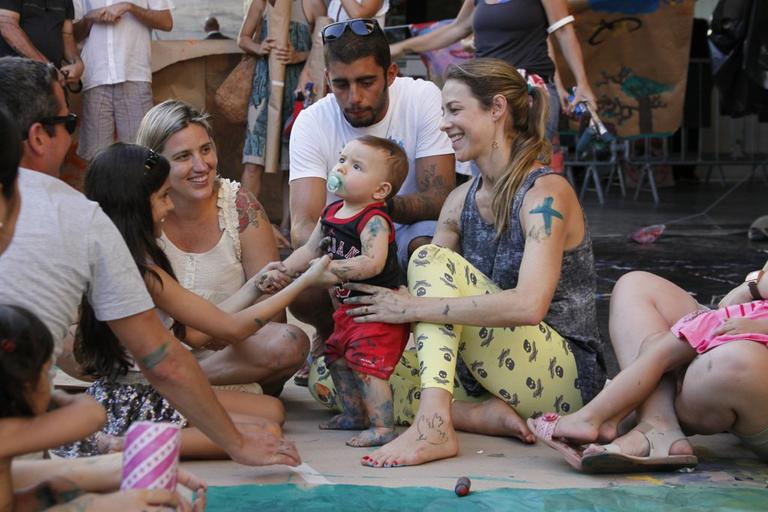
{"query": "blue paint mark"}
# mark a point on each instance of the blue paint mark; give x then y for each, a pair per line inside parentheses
(548, 212)
(625, 6)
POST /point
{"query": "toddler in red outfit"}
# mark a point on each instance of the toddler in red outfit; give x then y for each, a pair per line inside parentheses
(358, 234)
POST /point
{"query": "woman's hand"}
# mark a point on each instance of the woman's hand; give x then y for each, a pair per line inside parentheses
(289, 55)
(266, 46)
(272, 278)
(734, 326)
(381, 305)
(581, 93)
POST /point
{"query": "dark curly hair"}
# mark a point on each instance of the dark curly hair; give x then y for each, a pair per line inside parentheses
(26, 345)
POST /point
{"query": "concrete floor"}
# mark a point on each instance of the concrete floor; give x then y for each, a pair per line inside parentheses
(490, 462)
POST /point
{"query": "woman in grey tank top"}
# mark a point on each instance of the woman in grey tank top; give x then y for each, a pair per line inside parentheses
(508, 286)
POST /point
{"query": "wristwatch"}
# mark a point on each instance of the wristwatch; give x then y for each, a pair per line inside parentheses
(752, 279)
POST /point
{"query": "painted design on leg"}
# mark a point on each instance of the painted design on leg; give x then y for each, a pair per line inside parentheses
(347, 387)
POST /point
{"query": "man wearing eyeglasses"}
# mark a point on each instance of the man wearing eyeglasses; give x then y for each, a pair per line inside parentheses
(368, 99)
(41, 30)
(65, 246)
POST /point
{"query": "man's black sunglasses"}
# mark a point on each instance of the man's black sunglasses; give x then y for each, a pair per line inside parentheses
(69, 121)
(362, 27)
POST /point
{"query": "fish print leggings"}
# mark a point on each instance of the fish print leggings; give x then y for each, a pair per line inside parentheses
(531, 368)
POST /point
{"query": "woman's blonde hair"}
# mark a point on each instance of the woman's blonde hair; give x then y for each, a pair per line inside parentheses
(167, 118)
(525, 124)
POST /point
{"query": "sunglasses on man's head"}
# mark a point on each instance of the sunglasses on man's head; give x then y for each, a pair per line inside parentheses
(362, 27)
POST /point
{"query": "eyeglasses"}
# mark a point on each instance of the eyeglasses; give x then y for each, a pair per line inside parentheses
(151, 161)
(69, 121)
(362, 27)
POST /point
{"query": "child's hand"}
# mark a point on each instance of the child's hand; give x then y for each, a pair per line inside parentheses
(734, 326)
(319, 273)
(273, 277)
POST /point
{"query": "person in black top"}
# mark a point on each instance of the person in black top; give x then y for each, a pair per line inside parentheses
(41, 30)
(358, 234)
(212, 30)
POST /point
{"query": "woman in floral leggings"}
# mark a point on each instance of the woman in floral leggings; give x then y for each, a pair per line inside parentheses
(505, 296)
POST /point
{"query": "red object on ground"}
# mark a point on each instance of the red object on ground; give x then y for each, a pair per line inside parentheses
(648, 234)
(462, 486)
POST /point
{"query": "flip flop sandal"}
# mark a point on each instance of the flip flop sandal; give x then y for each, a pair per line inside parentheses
(612, 460)
(543, 427)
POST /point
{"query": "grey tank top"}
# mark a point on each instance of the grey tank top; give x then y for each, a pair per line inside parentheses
(573, 312)
(514, 31)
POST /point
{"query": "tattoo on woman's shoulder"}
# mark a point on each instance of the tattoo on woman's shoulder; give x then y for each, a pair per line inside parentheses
(249, 210)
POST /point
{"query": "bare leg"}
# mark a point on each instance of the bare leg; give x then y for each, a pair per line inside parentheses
(492, 417)
(269, 357)
(252, 178)
(377, 399)
(249, 404)
(430, 437)
(643, 304)
(660, 353)
(726, 389)
(196, 445)
(347, 386)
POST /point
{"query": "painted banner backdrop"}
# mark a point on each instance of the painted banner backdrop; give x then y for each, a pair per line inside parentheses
(636, 55)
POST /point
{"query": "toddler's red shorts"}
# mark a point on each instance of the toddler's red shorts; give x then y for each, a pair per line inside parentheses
(372, 348)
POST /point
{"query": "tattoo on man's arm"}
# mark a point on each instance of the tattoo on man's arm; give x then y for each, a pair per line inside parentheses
(156, 357)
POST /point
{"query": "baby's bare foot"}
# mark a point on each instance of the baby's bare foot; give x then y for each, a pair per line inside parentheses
(345, 422)
(374, 436)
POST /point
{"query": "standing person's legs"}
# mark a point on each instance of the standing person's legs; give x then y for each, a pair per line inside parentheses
(132, 100)
(253, 174)
(512, 364)
(98, 127)
(643, 304)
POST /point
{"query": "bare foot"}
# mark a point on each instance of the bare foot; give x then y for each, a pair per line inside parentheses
(575, 429)
(636, 444)
(431, 437)
(492, 417)
(374, 436)
(344, 422)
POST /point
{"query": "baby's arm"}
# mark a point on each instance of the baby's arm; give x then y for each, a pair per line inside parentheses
(295, 264)
(77, 416)
(374, 242)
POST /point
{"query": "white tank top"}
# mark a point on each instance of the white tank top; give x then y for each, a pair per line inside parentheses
(218, 273)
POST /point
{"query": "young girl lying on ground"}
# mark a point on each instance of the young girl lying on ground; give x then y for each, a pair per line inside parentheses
(130, 183)
(693, 334)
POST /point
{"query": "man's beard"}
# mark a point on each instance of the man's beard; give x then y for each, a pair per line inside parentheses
(373, 113)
